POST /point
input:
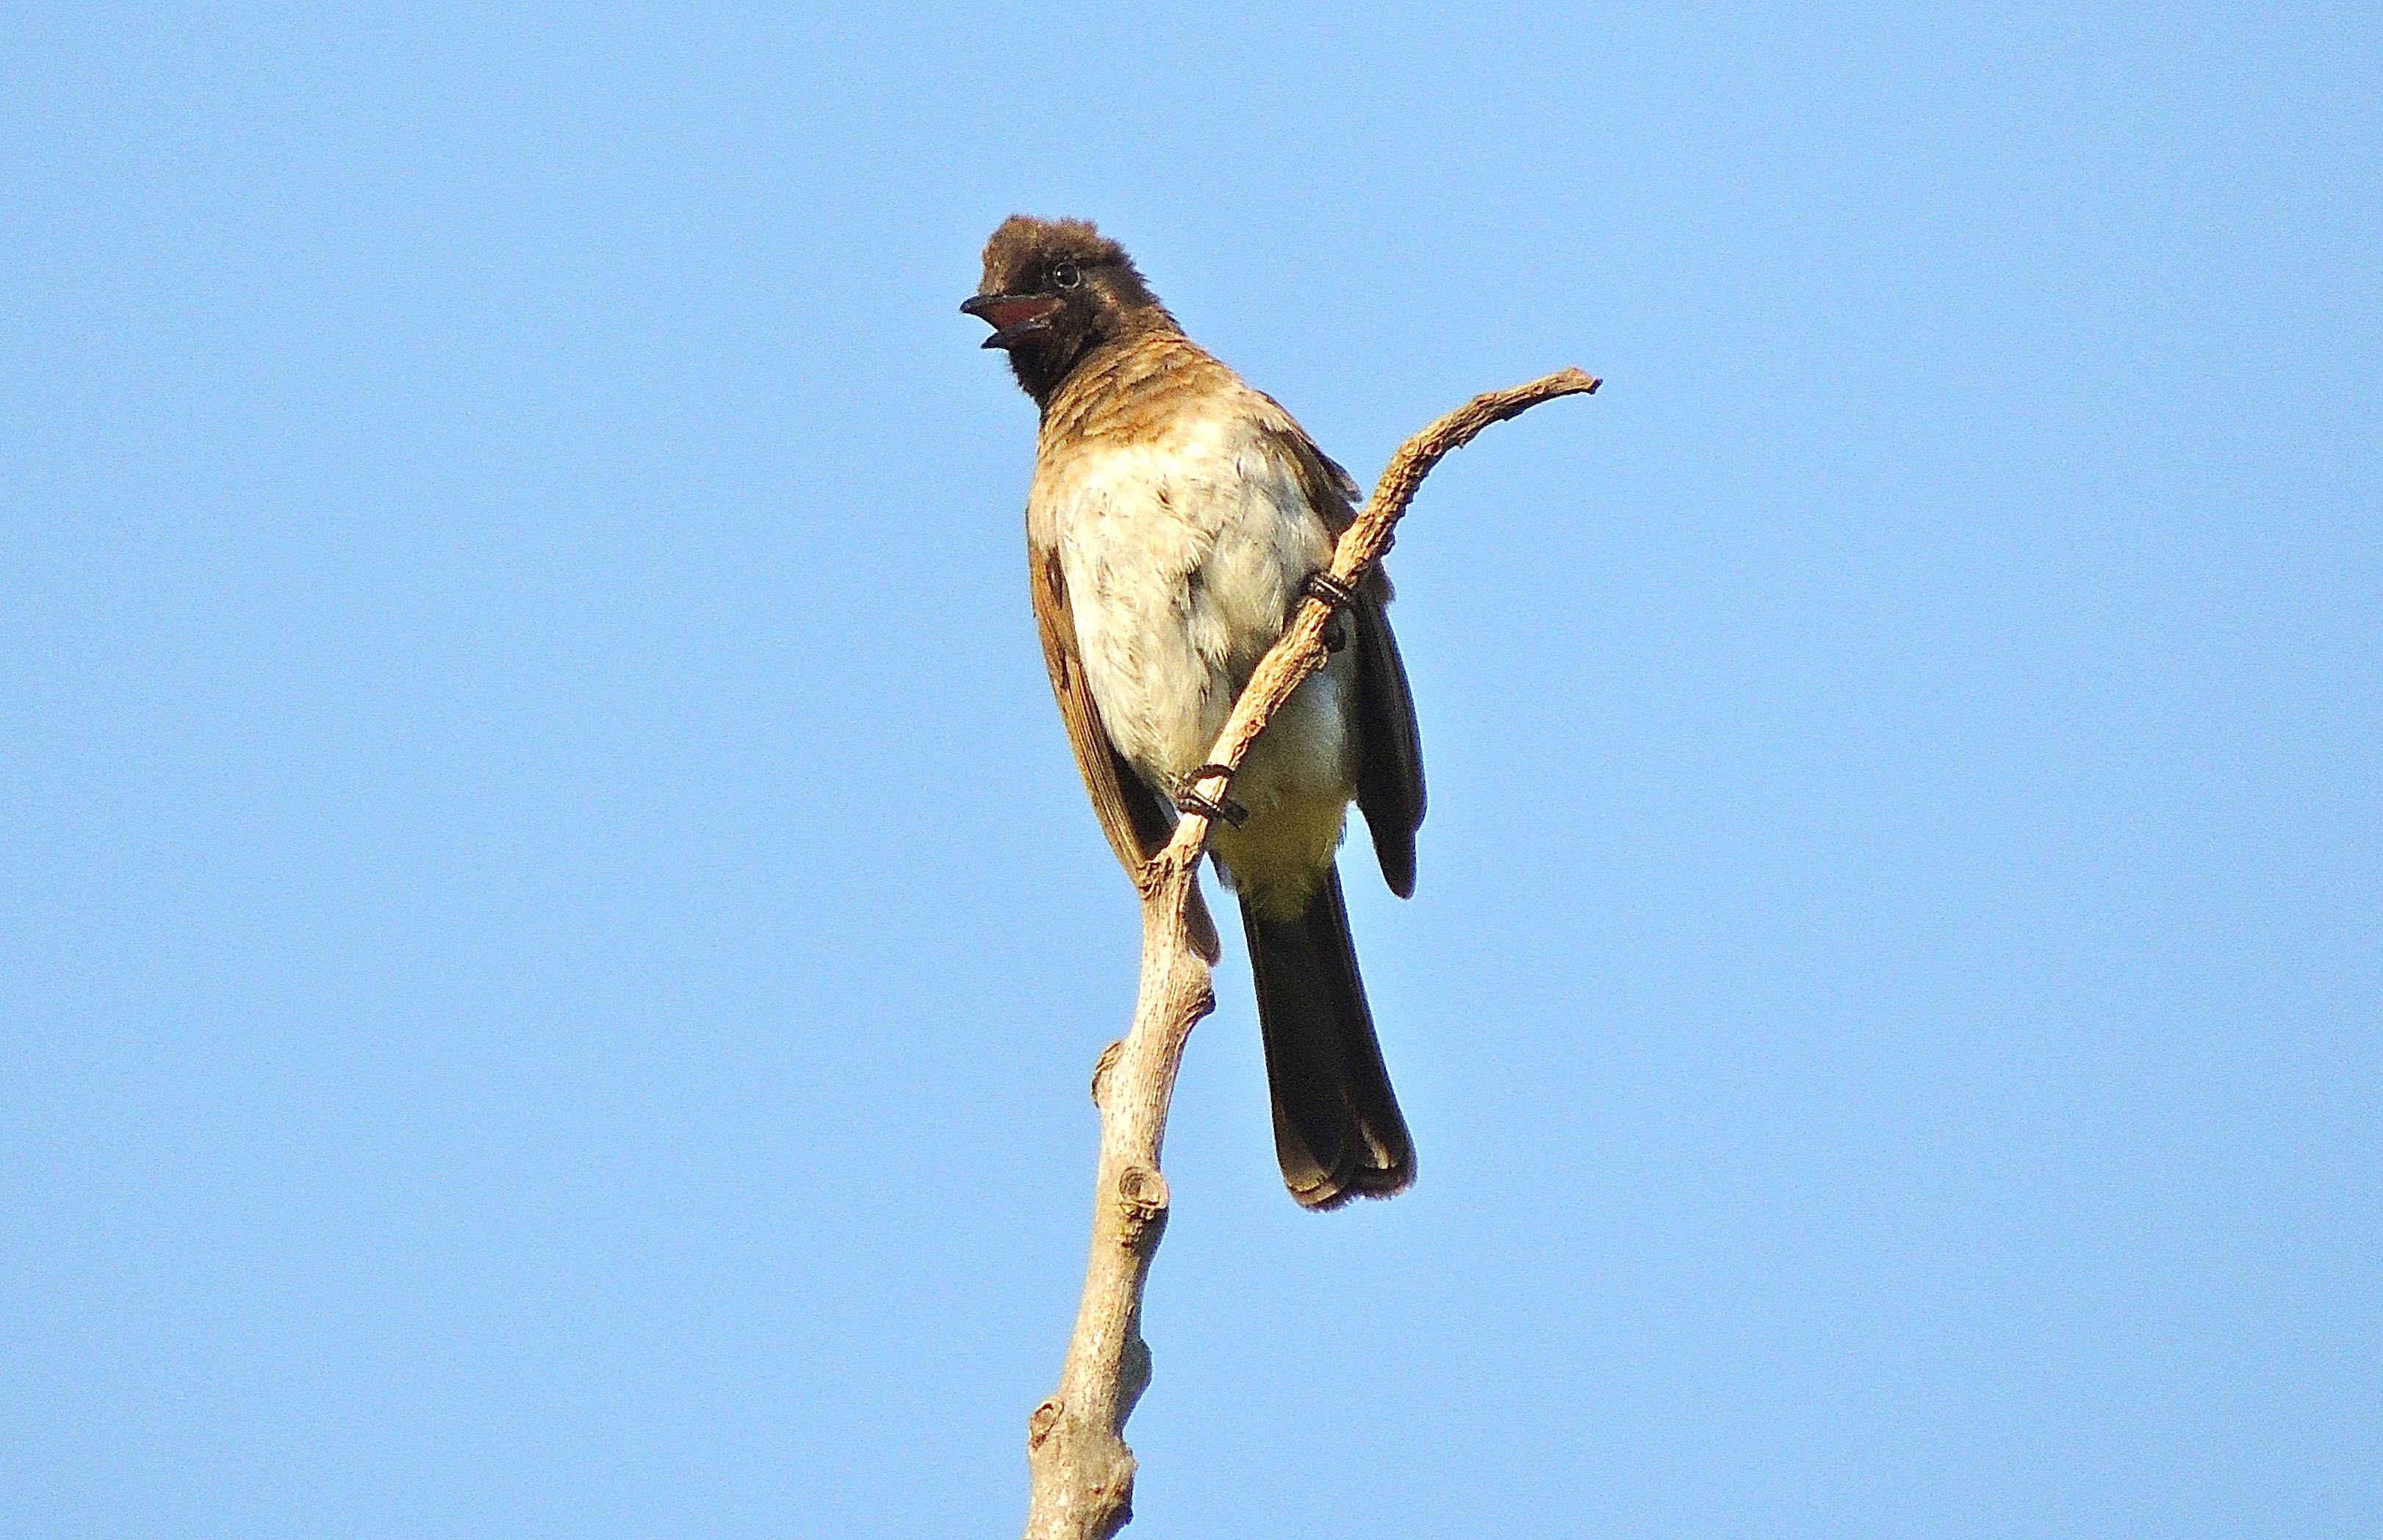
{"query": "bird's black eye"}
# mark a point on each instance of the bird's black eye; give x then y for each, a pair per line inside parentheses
(1065, 275)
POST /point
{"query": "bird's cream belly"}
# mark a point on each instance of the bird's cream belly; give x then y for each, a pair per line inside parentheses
(1182, 562)
(1296, 786)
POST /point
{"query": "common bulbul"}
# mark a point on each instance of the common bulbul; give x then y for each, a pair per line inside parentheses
(1176, 517)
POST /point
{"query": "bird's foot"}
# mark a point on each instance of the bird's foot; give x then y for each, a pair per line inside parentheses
(1334, 594)
(1322, 585)
(1189, 798)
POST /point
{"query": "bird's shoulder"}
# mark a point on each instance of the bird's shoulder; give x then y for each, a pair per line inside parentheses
(1139, 390)
(1163, 395)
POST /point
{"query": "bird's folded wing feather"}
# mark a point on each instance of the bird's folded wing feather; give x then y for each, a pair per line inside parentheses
(1137, 823)
(1389, 774)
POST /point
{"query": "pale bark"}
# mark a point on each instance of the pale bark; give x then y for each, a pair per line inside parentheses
(1081, 1470)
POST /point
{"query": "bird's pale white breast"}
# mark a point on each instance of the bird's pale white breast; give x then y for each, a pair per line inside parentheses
(1183, 553)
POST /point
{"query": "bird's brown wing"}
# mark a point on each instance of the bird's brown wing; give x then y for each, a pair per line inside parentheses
(1390, 772)
(1137, 822)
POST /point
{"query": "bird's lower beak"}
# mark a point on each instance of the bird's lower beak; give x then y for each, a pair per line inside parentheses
(1013, 318)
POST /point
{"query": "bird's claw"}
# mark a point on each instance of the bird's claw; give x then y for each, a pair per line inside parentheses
(1322, 585)
(1189, 798)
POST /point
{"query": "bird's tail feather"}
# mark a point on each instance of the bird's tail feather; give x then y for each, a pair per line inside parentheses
(1338, 1131)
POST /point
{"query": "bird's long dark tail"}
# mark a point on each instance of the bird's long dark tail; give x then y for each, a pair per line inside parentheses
(1337, 1128)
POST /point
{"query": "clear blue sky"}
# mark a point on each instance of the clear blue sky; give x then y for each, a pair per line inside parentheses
(551, 948)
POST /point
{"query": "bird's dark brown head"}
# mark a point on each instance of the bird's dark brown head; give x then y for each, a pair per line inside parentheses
(1055, 290)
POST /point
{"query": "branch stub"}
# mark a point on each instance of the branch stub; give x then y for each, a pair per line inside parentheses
(1142, 1196)
(1041, 1421)
(1102, 1065)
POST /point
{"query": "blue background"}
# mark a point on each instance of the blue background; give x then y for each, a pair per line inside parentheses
(551, 948)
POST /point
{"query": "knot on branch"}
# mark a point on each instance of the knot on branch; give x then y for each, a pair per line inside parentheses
(1133, 1373)
(1142, 1201)
(1101, 1068)
(1041, 1421)
(1083, 1474)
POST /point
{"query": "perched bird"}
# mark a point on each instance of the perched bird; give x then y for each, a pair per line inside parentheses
(1175, 518)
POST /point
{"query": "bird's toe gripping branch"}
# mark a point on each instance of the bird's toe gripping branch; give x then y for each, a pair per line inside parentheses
(1334, 595)
(1322, 585)
(1189, 798)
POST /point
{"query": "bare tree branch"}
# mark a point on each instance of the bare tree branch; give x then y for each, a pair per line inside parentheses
(1081, 1471)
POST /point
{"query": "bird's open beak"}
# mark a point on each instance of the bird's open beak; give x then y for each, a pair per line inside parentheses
(1013, 318)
